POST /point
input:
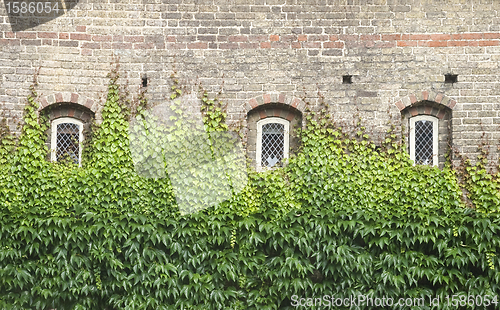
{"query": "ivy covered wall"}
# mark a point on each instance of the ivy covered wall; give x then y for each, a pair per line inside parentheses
(344, 217)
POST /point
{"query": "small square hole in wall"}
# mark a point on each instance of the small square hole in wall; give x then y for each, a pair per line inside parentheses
(144, 81)
(450, 78)
(347, 79)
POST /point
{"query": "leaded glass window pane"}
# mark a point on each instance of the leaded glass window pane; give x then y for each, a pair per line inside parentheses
(273, 144)
(423, 142)
(68, 142)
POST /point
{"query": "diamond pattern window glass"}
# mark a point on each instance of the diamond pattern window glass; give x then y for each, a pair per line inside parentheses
(273, 144)
(66, 140)
(424, 140)
(68, 146)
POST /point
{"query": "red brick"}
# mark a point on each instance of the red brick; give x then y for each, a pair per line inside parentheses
(81, 28)
(488, 43)
(197, 45)
(333, 44)
(458, 43)
(441, 114)
(267, 98)
(265, 45)
(80, 36)
(413, 111)
(253, 103)
(440, 37)
(427, 110)
(276, 112)
(74, 98)
(59, 97)
(452, 104)
(281, 98)
(290, 116)
(10, 34)
(405, 37)
(302, 37)
(439, 98)
(407, 43)
(118, 38)
(10, 42)
(296, 45)
(400, 105)
(26, 35)
(71, 112)
(262, 114)
(274, 38)
(437, 43)
(169, 38)
(47, 35)
(89, 103)
(491, 35)
(99, 38)
(239, 38)
(425, 95)
(86, 52)
(391, 37)
(420, 37)
(295, 102)
(44, 102)
(413, 98)
(334, 38)
(471, 36)
(134, 39)
(63, 36)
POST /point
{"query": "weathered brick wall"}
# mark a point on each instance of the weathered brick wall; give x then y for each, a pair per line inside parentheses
(398, 52)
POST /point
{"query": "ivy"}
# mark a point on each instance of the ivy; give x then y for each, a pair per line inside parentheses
(345, 217)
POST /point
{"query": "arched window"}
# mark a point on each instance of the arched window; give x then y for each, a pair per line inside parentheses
(424, 140)
(272, 142)
(66, 140)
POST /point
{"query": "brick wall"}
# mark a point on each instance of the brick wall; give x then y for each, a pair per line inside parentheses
(396, 51)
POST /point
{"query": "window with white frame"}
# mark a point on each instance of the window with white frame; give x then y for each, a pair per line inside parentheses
(424, 140)
(272, 142)
(66, 140)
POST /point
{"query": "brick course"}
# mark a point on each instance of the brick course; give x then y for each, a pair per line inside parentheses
(270, 52)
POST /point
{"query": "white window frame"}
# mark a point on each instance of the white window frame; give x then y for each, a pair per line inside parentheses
(286, 138)
(435, 140)
(53, 141)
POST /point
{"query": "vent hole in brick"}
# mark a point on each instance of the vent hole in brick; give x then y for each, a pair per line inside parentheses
(347, 79)
(144, 81)
(450, 78)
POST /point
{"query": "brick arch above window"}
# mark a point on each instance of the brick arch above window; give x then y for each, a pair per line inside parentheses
(68, 97)
(275, 98)
(438, 104)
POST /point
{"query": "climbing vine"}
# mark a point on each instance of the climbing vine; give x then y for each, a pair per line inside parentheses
(345, 217)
